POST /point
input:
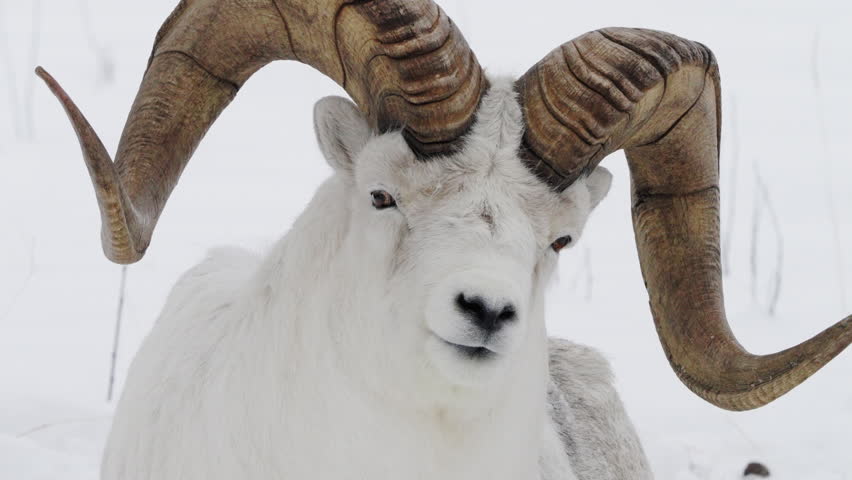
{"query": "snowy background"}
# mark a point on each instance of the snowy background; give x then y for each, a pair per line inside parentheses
(787, 218)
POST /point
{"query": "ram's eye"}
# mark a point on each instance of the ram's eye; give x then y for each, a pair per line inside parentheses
(561, 243)
(382, 199)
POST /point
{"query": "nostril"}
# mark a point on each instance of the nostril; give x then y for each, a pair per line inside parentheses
(507, 314)
(473, 305)
(482, 315)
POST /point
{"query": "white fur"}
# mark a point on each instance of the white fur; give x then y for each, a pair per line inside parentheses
(328, 358)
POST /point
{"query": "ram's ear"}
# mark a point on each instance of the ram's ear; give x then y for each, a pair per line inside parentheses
(598, 183)
(342, 131)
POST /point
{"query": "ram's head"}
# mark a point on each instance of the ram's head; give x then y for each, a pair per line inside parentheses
(406, 66)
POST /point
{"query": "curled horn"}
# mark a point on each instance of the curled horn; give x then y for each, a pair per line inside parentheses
(402, 61)
(657, 97)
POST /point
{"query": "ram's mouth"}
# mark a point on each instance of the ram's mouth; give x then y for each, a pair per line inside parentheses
(472, 352)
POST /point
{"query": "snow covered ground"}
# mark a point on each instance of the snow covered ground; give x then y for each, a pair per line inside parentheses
(787, 215)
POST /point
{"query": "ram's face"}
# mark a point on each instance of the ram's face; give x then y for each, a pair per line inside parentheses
(457, 249)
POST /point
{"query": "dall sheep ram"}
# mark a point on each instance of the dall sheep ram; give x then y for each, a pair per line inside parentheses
(397, 331)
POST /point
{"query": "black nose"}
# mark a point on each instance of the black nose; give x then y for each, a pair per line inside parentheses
(482, 315)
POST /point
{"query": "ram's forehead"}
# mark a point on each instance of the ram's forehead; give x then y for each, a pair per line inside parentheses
(470, 174)
(443, 174)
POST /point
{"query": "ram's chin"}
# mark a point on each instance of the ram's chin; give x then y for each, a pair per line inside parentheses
(461, 365)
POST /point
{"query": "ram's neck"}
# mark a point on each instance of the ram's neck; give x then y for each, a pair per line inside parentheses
(295, 272)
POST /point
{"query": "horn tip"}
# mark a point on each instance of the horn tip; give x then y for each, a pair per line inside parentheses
(117, 241)
(44, 75)
(121, 259)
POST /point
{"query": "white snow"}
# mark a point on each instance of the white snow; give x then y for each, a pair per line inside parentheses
(785, 74)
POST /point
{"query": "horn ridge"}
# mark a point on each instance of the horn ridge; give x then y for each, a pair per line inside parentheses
(404, 62)
(657, 96)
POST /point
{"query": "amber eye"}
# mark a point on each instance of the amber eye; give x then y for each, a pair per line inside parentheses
(561, 243)
(382, 199)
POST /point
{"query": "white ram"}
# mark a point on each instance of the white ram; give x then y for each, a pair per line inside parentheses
(369, 343)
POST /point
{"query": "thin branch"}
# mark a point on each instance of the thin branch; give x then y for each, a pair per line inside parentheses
(575, 281)
(576, 276)
(757, 208)
(840, 261)
(743, 434)
(45, 426)
(20, 292)
(583, 274)
(117, 335)
(775, 288)
(106, 68)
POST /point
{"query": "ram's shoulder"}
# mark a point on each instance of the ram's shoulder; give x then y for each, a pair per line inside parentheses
(574, 366)
(216, 280)
(222, 265)
(223, 259)
(589, 418)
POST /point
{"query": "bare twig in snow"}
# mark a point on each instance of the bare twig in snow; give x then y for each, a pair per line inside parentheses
(698, 470)
(732, 187)
(827, 172)
(583, 275)
(106, 69)
(45, 426)
(775, 287)
(743, 434)
(575, 281)
(757, 208)
(30, 272)
(762, 201)
(118, 315)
